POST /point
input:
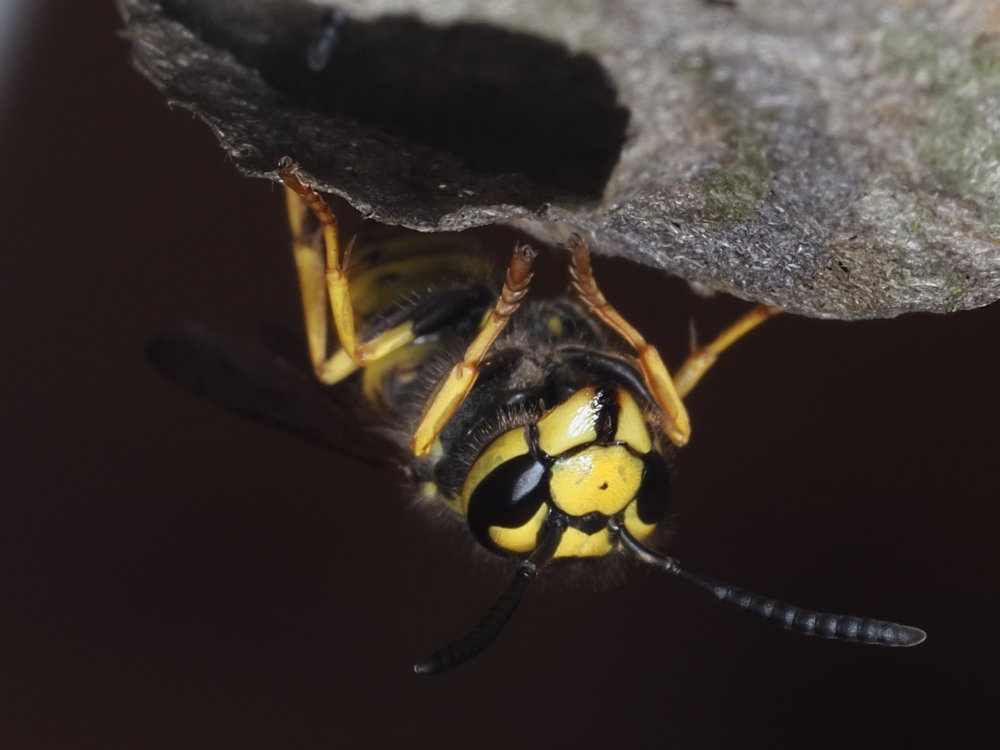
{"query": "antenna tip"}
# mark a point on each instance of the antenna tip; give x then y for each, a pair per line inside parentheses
(428, 666)
(910, 636)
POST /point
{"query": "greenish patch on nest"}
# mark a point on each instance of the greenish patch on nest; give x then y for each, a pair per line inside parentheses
(964, 152)
(731, 190)
(961, 79)
(931, 271)
(912, 260)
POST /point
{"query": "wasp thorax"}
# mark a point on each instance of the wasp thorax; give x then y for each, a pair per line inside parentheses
(590, 458)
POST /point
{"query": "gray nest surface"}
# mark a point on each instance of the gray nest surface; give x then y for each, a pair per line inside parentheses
(838, 159)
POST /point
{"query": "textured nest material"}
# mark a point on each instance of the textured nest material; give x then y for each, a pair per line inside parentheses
(838, 159)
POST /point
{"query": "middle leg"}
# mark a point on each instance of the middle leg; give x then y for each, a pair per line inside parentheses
(452, 390)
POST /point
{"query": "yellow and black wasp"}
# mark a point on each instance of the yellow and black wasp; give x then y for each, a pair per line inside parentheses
(547, 426)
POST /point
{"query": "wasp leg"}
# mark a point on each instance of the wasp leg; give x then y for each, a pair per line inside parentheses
(702, 358)
(308, 254)
(340, 365)
(323, 280)
(312, 267)
(676, 423)
(452, 390)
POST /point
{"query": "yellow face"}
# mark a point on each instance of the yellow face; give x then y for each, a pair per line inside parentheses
(590, 458)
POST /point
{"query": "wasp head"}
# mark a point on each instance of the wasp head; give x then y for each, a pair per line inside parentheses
(590, 459)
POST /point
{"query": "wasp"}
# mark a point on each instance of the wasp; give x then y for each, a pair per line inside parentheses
(546, 427)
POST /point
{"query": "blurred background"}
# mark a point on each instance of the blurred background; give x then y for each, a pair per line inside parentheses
(174, 576)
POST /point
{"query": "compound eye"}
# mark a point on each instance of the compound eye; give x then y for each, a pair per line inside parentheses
(653, 499)
(509, 497)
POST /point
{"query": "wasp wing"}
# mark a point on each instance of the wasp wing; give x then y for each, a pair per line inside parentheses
(257, 383)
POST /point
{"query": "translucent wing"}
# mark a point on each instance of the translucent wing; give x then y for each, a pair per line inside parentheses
(257, 383)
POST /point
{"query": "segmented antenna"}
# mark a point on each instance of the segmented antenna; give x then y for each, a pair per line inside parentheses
(493, 622)
(788, 616)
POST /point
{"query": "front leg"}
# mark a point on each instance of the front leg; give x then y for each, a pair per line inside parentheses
(452, 390)
(675, 422)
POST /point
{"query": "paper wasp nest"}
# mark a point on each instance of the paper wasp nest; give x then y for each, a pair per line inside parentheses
(839, 159)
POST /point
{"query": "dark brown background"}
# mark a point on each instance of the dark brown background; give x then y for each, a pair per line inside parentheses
(172, 576)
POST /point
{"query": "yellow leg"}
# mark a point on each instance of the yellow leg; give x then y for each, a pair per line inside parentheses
(676, 423)
(325, 288)
(308, 253)
(335, 269)
(701, 359)
(453, 389)
(340, 365)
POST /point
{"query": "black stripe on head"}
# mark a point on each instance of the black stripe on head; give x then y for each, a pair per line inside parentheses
(607, 412)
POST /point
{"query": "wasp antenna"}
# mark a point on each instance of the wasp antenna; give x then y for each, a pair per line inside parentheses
(492, 623)
(788, 616)
(483, 634)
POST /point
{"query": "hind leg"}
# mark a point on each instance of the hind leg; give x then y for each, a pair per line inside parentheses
(323, 279)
